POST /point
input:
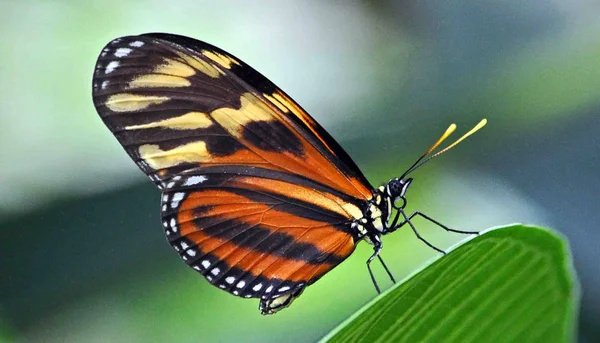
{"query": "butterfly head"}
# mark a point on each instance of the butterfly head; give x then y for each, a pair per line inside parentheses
(396, 189)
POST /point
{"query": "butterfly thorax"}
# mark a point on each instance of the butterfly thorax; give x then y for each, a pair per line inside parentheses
(378, 209)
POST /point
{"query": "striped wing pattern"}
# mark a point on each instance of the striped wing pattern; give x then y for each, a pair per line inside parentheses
(255, 232)
(256, 195)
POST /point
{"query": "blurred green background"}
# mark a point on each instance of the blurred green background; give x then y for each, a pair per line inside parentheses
(82, 254)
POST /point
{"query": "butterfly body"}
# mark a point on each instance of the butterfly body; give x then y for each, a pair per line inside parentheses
(256, 195)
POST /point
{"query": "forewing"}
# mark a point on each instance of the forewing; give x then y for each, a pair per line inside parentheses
(177, 104)
(256, 232)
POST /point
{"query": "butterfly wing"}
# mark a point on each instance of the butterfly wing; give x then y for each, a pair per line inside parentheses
(256, 195)
(256, 232)
(176, 103)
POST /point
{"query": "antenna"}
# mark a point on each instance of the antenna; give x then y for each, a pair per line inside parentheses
(446, 134)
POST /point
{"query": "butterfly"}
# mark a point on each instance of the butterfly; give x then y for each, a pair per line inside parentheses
(256, 195)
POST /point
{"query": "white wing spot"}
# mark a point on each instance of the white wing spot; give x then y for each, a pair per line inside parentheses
(184, 258)
(184, 245)
(176, 177)
(165, 224)
(194, 180)
(136, 44)
(165, 197)
(196, 267)
(257, 287)
(191, 252)
(241, 284)
(284, 288)
(205, 264)
(164, 208)
(222, 286)
(170, 184)
(269, 289)
(209, 278)
(174, 224)
(236, 292)
(122, 52)
(247, 296)
(104, 84)
(111, 67)
(215, 271)
(230, 279)
(177, 197)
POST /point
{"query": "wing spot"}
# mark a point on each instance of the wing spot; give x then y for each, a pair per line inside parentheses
(230, 279)
(177, 197)
(170, 184)
(104, 84)
(164, 208)
(122, 52)
(241, 284)
(209, 278)
(222, 286)
(136, 44)
(206, 263)
(247, 295)
(269, 289)
(257, 287)
(284, 288)
(197, 268)
(184, 245)
(236, 292)
(215, 271)
(194, 180)
(191, 252)
(111, 67)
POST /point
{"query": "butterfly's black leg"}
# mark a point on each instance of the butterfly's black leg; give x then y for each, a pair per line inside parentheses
(389, 273)
(377, 250)
(417, 213)
(407, 220)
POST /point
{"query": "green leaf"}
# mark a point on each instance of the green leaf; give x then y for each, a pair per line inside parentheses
(509, 284)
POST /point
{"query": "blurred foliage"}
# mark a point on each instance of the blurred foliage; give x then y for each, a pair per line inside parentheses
(510, 284)
(81, 249)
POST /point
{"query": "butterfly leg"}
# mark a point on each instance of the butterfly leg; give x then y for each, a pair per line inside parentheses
(389, 273)
(417, 213)
(407, 220)
(377, 250)
(377, 246)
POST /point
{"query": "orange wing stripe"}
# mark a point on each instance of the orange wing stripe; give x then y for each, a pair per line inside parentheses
(256, 263)
(320, 234)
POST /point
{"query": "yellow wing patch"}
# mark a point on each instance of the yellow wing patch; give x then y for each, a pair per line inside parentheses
(158, 80)
(223, 60)
(200, 65)
(252, 109)
(174, 68)
(188, 121)
(189, 153)
(124, 102)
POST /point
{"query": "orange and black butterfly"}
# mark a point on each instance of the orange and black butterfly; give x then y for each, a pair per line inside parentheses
(256, 196)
